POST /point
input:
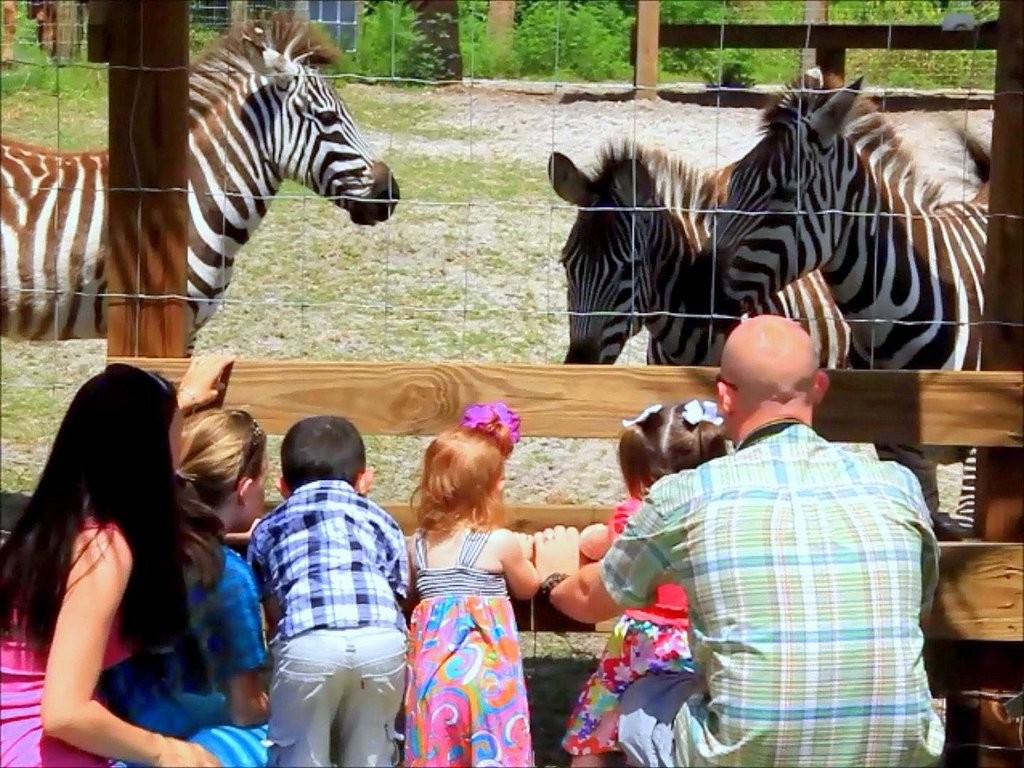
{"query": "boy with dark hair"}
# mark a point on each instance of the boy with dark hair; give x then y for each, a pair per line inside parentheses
(332, 567)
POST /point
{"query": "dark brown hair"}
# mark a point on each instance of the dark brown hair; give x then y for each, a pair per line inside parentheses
(663, 443)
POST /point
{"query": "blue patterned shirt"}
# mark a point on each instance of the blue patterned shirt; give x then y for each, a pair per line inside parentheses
(332, 559)
(177, 691)
(807, 567)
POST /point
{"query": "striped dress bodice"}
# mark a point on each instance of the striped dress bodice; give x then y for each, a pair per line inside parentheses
(461, 579)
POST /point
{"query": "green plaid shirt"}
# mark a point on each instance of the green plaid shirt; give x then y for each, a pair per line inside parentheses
(807, 567)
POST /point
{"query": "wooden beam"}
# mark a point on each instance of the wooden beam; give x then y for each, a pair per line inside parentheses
(929, 407)
(501, 21)
(97, 45)
(895, 37)
(1001, 473)
(645, 68)
(1000, 513)
(148, 206)
(980, 594)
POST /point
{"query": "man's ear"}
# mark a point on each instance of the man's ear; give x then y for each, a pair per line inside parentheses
(283, 489)
(820, 386)
(364, 481)
(725, 401)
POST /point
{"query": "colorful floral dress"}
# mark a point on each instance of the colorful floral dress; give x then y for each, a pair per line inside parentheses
(647, 641)
(466, 696)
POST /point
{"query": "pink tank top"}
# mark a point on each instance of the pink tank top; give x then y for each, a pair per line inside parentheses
(22, 674)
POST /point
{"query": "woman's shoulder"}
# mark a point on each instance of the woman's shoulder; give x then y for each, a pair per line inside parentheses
(97, 541)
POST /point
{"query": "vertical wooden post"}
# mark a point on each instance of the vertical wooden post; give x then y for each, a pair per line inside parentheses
(645, 69)
(148, 210)
(238, 10)
(67, 30)
(996, 667)
(301, 9)
(831, 61)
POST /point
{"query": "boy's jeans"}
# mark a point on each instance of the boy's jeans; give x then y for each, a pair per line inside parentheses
(334, 697)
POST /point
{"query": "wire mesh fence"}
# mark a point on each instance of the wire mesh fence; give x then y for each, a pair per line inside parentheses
(467, 111)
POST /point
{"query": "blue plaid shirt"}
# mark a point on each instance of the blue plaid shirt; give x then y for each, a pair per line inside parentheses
(332, 559)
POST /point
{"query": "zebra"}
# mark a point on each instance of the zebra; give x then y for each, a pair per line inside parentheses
(632, 259)
(260, 112)
(831, 188)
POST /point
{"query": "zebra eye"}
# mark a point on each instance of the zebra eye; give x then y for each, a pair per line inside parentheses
(784, 194)
(328, 118)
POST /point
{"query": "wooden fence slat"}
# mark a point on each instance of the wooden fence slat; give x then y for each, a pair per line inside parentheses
(932, 407)
(894, 37)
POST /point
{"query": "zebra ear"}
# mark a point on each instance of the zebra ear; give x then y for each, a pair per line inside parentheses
(829, 118)
(270, 63)
(632, 185)
(568, 181)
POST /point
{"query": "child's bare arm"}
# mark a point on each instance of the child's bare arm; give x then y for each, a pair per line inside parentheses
(595, 541)
(520, 573)
(247, 699)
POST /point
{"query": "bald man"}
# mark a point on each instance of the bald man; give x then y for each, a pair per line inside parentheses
(807, 567)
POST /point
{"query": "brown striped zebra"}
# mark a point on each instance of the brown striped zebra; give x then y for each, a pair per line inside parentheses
(260, 112)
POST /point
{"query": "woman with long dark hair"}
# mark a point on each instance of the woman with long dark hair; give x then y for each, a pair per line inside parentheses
(93, 571)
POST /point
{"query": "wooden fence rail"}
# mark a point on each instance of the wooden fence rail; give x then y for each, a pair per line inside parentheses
(980, 597)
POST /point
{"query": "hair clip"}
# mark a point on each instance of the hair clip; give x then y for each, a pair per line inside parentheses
(481, 415)
(696, 411)
(650, 410)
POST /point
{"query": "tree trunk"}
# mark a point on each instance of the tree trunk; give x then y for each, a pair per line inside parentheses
(67, 30)
(501, 19)
(239, 10)
(10, 30)
(438, 22)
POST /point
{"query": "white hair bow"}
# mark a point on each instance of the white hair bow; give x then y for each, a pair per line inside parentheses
(648, 411)
(696, 411)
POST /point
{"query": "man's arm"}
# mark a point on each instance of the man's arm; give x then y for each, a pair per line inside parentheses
(583, 596)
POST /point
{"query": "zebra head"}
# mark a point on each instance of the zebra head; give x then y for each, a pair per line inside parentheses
(306, 131)
(781, 217)
(604, 255)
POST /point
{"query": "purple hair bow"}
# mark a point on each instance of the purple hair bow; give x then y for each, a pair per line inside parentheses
(482, 414)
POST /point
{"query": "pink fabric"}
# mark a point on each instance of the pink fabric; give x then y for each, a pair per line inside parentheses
(22, 674)
(671, 606)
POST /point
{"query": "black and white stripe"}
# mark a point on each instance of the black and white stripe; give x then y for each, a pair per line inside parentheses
(633, 259)
(260, 112)
(829, 187)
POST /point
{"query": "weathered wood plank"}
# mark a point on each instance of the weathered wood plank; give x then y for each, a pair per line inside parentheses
(893, 37)
(933, 407)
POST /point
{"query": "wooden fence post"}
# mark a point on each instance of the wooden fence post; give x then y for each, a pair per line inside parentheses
(645, 68)
(830, 60)
(148, 210)
(501, 20)
(996, 667)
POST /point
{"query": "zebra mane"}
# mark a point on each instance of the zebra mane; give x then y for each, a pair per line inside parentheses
(667, 170)
(283, 32)
(865, 119)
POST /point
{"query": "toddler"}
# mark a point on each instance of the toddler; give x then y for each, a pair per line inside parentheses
(466, 697)
(332, 568)
(662, 440)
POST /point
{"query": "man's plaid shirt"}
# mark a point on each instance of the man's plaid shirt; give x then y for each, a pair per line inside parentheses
(807, 568)
(333, 560)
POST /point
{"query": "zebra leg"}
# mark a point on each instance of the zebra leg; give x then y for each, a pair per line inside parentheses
(965, 506)
(916, 459)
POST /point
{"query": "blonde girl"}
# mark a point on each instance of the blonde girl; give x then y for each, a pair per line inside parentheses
(662, 440)
(466, 695)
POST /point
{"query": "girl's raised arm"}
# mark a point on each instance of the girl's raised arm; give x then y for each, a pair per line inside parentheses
(96, 586)
(520, 574)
